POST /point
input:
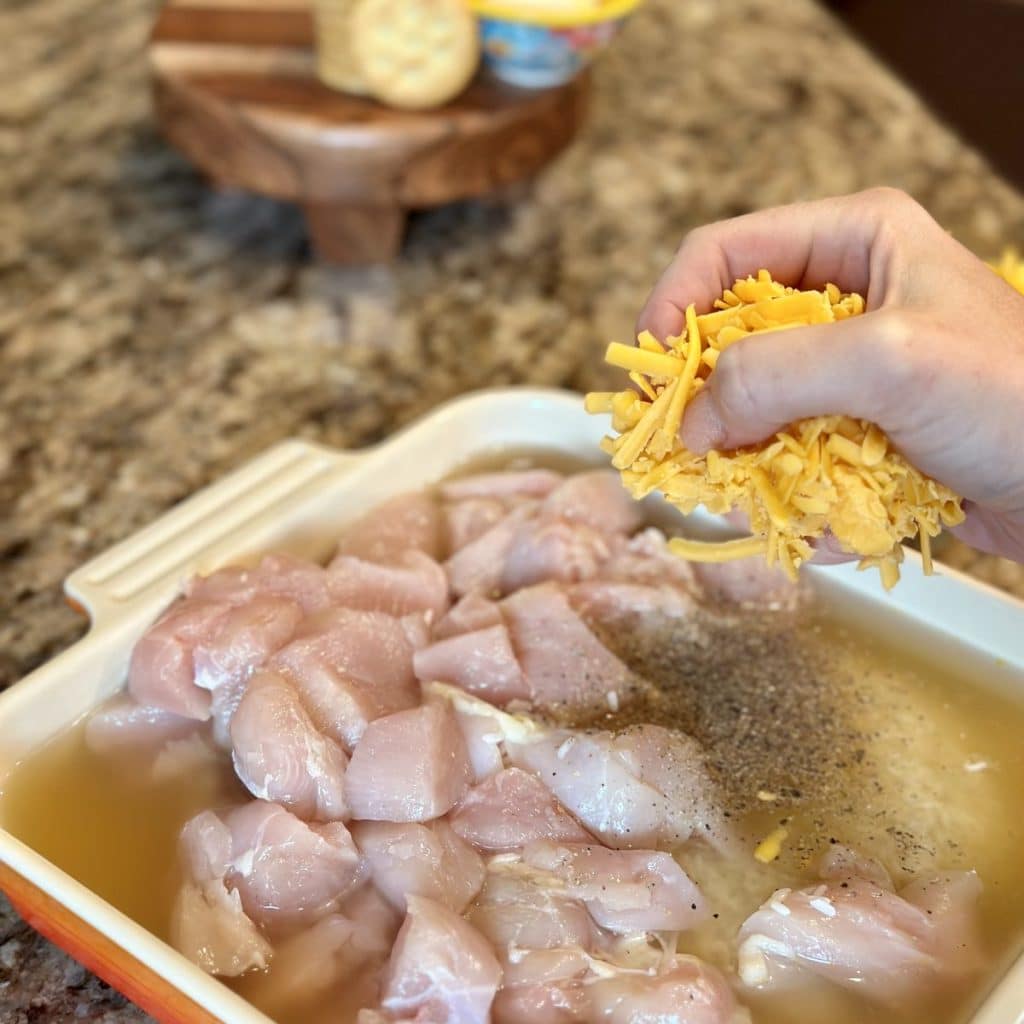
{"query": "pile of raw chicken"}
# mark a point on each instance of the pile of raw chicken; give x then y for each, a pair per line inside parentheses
(414, 828)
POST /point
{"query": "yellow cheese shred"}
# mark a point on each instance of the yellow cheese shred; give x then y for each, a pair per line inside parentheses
(771, 846)
(1011, 269)
(828, 473)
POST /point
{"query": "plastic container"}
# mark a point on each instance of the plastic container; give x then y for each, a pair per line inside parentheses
(541, 45)
(295, 498)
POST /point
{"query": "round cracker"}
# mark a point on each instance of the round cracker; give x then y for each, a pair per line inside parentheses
(415, 54)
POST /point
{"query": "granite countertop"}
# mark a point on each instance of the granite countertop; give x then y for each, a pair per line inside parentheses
(154, 335)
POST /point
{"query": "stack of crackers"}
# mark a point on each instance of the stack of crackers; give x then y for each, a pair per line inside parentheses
(413, 54)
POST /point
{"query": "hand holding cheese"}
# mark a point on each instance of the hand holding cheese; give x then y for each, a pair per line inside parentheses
(936, 361)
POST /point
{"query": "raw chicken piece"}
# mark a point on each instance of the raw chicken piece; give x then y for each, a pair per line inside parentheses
(478, 567)
(208, 924)
(280, 756)
(442, 970)
(511, 809)
(687, 992)
(242, 640)
(240, 643)
(862, 935)
(609, 602)
(410, 766)
(644, 787)
(470, 518)
(544, 987)
(481, 662)
(349, 668)
(529, 483)
(521, 910)
(749, 582)
(161, 672)
(562, 661)
(468, 615)
(626, 891)
(408, 582)
(595, 499)
(406, 521)
(289, 873)
(645, 558)
(557, 551)
(124, 724)
(296, 579)
(345, 948)
(483, 744)
(408, 859)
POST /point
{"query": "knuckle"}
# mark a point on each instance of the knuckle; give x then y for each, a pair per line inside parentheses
(897, 350)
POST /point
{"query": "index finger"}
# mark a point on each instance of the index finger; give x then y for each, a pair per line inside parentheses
(806, 245)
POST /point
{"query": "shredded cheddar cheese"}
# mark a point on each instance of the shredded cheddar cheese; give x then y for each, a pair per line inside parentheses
(1011, 269)
(771, 846)
(827, 473)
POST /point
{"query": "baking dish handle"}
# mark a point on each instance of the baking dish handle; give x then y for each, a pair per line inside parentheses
(190, 535)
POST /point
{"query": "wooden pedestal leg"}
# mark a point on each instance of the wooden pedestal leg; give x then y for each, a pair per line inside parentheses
(346, 234)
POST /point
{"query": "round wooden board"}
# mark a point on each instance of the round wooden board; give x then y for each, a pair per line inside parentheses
(236, 91)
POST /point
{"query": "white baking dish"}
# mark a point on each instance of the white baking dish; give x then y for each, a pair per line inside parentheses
(295, 497)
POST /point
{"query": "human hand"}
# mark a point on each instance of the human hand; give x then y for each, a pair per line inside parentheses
(936, 361)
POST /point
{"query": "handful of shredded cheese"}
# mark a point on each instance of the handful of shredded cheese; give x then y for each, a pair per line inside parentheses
(827, 473)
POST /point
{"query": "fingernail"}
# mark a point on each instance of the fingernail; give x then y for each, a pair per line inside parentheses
(703, 427)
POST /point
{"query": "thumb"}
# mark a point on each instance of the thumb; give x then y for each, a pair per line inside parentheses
(764, 382)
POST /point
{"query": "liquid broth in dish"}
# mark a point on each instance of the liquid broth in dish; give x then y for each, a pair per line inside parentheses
(810, 721)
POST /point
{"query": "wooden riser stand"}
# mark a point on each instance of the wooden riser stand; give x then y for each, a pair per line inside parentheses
(236, 91)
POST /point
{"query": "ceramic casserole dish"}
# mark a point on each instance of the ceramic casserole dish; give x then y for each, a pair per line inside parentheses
(295, 498)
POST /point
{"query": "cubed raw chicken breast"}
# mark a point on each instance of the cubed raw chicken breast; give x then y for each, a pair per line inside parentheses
(289, 873)
(528, 483)
(241, 642)
(124, 724)
(442, 970)
(408, 859)
(511, 809)
(626, 891)
(348, 948)
(521, 910)
(557, 551)
(611, 603)
(646, 558)
(208, 923)
(469, 614)
(161, 672)
(748, 582)
(688, 991)
(481, 662)
(407, 521)
(408, 582)
(645, 787)
(561, 659)
(280, 756)
(861, 935)
(243, 639)
(209, 926)
(483, 745)
(410, 766)
(350, 667)
(595, 499)
(479, 566)
(469, 519)
(285, 576)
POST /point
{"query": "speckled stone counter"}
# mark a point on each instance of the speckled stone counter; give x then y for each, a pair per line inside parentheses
(154, 335)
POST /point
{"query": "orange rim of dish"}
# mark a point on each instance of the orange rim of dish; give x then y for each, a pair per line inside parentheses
(567, 17)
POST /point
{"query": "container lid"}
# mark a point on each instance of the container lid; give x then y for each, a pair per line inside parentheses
(564, 14)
